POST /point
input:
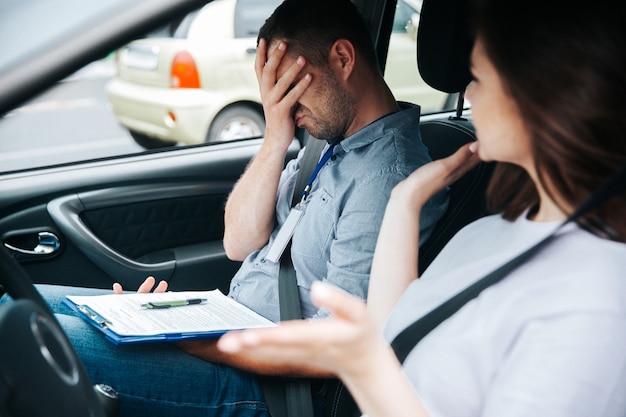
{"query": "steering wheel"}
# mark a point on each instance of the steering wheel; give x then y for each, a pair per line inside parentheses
(40, 372)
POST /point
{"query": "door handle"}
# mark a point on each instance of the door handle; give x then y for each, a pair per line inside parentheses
(47, 244)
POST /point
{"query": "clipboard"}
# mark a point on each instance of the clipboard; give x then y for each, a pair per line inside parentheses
(123, 319)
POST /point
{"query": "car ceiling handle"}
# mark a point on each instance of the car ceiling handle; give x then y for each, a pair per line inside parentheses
(47, 244)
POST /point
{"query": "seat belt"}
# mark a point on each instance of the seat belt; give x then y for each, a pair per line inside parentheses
(312, 153)
(406, 340)
(343, 404)
(291, 397)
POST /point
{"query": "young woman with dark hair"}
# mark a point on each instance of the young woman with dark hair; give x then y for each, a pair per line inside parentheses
(566, 76)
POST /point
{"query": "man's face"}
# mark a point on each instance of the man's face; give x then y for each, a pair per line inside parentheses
(325, 109)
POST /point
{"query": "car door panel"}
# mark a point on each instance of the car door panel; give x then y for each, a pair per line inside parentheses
(123, 219)
(130, 232)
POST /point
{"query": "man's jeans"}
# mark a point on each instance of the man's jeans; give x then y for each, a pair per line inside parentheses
(156, 379)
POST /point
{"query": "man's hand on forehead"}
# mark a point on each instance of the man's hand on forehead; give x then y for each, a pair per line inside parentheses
(282, 82)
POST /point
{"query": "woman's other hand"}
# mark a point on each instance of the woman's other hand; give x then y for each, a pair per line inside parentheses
(345, 344)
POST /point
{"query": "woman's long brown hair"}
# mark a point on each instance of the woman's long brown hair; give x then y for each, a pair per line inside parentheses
(564, 64)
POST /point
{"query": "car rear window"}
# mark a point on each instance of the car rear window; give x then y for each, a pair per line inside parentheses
(250, 16)
(182, 29)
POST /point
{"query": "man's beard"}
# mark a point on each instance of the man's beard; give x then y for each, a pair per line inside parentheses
(337, 111)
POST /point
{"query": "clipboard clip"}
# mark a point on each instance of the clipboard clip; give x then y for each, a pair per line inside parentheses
(94, 317)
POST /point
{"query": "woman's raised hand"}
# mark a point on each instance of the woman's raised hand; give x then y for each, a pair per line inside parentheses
(428, 179)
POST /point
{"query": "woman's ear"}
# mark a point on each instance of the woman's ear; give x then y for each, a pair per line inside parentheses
(342, 57)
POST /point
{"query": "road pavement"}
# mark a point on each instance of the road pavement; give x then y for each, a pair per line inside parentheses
(70, 122)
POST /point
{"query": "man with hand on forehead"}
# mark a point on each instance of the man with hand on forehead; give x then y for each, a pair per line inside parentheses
(318, 70)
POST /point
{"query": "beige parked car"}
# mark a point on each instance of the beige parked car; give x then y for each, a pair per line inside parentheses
(199, 85)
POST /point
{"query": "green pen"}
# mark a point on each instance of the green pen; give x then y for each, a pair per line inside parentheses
(173, 303)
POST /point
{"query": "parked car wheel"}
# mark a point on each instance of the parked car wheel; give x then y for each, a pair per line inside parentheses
(237, 122)
(148, 142)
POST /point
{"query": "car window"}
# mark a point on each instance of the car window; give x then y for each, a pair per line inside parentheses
(403, 15)
(180, 29)
(401, 72)
(190, 83)
(251, 14)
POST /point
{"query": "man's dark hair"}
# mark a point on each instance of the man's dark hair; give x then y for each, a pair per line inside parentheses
(310, 28)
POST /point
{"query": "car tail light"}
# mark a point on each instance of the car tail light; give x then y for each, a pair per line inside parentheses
(184, 72)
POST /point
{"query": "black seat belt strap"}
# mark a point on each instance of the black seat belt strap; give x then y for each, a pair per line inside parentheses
(410, 336)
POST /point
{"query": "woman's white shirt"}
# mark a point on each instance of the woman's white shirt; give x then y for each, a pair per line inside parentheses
(548, 340)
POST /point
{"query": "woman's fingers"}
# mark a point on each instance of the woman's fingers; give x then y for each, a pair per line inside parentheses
(457, 164)
(340, 303)
(297, 343)
(445, 171)
(431, 178)
(327, 344)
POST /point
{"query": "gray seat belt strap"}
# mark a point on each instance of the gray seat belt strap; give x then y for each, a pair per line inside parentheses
(288, 295)
(295, 400)
(406, 340)
(312, 153)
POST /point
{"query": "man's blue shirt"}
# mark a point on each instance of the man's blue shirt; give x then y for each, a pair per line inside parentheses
(336, 236)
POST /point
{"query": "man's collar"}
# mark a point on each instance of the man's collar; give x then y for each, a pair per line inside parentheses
(408, 115)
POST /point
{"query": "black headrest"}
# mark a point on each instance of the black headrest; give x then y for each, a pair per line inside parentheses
(444, 45)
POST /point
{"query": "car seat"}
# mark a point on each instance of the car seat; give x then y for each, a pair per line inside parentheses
(467, 195)
(443, 53)
(443, 50)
